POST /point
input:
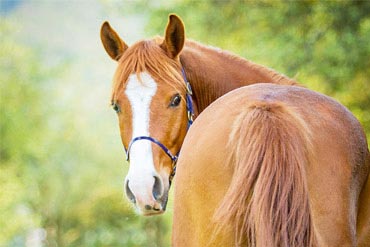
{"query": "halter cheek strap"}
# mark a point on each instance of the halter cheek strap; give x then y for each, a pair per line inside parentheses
(189, 100)
(190, 115)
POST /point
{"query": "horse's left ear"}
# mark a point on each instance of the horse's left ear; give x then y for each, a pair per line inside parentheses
(174, 37)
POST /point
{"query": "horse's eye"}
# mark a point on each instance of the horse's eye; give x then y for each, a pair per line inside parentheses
(116, 108)
(175, 101)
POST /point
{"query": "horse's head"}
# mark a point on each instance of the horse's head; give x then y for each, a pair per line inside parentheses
(151, 99)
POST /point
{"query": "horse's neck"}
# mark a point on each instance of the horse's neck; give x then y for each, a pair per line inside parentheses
(212, 73)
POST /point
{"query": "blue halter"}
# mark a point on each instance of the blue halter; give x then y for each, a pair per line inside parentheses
(190, 114)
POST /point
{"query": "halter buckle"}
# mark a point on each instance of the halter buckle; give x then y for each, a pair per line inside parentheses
(188, 88)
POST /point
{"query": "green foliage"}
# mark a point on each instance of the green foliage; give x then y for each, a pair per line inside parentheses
(55, 182)
(20, 130)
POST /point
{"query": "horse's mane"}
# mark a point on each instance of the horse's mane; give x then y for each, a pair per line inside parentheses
(276, 77)
(147, 56)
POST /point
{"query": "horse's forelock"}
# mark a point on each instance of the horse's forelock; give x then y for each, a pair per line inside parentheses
(147, 56)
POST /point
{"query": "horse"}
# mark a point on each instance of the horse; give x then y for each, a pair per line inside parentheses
(273, 165)
(160, 86)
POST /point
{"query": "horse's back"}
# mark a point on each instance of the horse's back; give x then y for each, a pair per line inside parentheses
(335, 173)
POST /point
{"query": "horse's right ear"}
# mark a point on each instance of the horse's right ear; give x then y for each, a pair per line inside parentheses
(112, 43)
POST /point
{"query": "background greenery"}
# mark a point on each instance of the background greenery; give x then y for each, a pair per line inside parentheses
(61, 159)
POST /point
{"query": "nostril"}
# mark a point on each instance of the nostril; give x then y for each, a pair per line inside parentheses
(157, 188)
(129, 193)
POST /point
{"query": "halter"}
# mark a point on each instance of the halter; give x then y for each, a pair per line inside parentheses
(190, 114)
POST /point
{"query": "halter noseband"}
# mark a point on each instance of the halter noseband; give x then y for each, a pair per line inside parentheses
(190, 114)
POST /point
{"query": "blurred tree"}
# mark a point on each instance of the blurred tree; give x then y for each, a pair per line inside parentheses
(53, 191)
(20, 132)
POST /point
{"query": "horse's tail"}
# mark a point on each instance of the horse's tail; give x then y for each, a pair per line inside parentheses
(267, 201)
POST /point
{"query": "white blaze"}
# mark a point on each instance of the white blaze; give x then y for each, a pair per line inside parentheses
(141, 172)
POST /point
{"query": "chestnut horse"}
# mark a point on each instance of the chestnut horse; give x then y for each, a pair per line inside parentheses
(159, 86)
(273, 165)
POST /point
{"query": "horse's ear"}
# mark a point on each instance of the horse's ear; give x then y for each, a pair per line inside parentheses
(112, 43)
(174, 37)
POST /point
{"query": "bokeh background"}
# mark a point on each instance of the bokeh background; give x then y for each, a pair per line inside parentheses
(62, 163)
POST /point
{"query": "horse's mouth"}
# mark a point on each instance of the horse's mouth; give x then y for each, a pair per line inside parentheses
(158, 208)
(152, 212)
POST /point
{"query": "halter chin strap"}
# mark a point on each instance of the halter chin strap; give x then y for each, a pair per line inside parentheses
(190, 114)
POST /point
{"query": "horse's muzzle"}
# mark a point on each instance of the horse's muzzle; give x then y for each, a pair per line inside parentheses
(148, 198)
